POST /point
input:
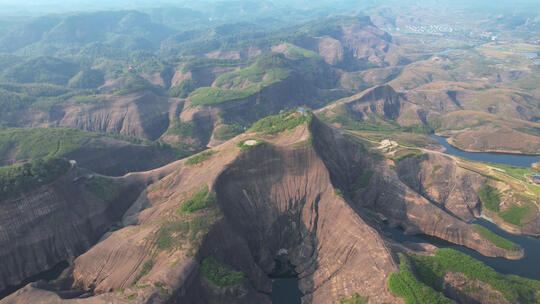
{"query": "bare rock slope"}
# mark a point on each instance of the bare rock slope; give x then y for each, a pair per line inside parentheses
(240, 207)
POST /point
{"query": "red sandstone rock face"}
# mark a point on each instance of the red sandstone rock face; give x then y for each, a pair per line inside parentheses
(54, 223)
(143, 115)
(275, 196)
(280, 198)
(402, 205)
(438, 178)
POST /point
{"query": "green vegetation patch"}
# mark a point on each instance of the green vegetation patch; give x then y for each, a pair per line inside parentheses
(87, 79)
(164, 291)
(41, 69)
(171, 234)
(432, 269)
(303, 144)
(435, 169)
(225, 132)
(405, 285)
(175, 233)
(342, 115)
(219, 274)
(249, 143)
(136, 83)
(33, 143)
(495, 239)
(183, 89)
(363, 180)
(199, 158)
(201, 225)
(209, 95)
(104, 188)
(18, 179)
(181, 128)
(298, 52)
(355, 299)
(146, 267)
(87, 99)
(515, 214)
(489, 196)
(401, 155)
(285, 120)
(361, 143)
(198, 201)
(269, 68)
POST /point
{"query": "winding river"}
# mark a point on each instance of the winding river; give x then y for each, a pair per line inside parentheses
(528, 267)
(497, 158)
(285, 290)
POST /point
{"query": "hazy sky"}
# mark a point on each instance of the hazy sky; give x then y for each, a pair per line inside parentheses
(38, 7)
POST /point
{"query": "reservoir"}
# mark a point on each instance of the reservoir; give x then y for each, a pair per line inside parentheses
(496, 158)
(528, 267)
(285, 282)
(286, 291)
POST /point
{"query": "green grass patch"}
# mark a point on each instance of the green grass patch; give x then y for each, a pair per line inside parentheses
(198, 201)
(104, 188)
(268, 68)
(342, 115)
(303, 144)
(219, 274)
(136, 83)
(33, 143)
(285, 120)
(117, 226)
(181, 128)
(146, 267)
(253, 142)
(171, 234)
(435, 169)
(226, 132)
(405, 285)
(401, 155)
(363, 181)
(200, 225)
(199, 158)
(480, 173)
(361, 144)
(206, 96)
(355, 299)
(87, 99)
(495, 239)
(431, 270)
(489, 196)
(183, 89)
(515, 214)
(15, 180)
(534, 189)
(164, 291)
(298, 52)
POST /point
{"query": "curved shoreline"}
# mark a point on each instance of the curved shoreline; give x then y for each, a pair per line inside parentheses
(507, 159)
(508, 152)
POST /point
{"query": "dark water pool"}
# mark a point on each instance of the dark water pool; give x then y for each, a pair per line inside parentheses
(285, 282)
(286, 291)
(47, 275)
(528, 267)
(497, 158)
